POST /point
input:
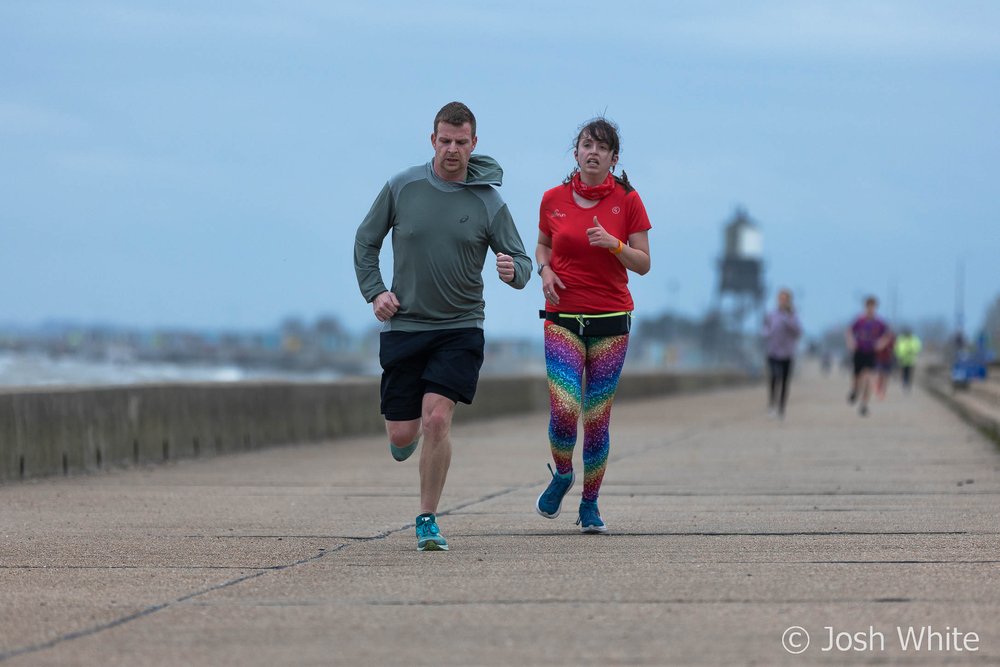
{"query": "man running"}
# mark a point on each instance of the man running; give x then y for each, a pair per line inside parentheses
(866, 336)
(443, 216)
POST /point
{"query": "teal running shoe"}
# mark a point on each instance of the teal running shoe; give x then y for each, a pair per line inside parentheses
(403, 453)
(549, 504)
(429, 537)
(590, 518)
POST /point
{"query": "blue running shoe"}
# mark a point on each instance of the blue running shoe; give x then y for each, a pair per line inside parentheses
(429, 537)
(590, 518)
(403, 453)
(549, 504)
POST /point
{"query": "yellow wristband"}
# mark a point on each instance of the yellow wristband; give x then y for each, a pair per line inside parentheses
(618, 250)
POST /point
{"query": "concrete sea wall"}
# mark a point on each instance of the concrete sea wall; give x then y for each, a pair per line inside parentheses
(978, 402)
(63, 431)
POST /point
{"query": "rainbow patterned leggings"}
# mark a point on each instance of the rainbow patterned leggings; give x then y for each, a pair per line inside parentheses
(568, 359)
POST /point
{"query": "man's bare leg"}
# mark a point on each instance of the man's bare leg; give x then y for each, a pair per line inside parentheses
(866, 389)
(435, 457)
(403, 435)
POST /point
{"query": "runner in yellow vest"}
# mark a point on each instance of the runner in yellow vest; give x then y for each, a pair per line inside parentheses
(907, 350)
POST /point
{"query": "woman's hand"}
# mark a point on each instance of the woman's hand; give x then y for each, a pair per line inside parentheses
(600, 238)
(550, 281)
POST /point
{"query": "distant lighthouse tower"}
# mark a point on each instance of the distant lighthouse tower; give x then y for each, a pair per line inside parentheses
(740, 294)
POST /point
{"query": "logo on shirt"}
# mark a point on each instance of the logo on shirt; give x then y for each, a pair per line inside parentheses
(463, 219)
(616, 210)
(556, 213)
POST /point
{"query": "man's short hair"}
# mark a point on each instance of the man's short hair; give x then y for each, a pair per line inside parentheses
(871, 301)
(457, 114)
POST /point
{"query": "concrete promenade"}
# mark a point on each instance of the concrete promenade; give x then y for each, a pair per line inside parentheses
(726, 529)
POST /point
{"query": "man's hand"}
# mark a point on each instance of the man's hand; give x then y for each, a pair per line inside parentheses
(505, 267)
(385, 306)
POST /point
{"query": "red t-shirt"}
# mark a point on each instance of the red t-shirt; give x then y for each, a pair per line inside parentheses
(596, 282)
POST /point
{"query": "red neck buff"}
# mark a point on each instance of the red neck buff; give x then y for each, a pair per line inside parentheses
(593, 192)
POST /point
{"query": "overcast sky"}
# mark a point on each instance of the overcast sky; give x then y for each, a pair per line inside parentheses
(206, 164)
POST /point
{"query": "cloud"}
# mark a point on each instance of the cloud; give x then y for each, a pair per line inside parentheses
(120, 21)
(921, 29)
(100, 162)
(201, 21)
(851, 28)
(17, 118)
(776, 28)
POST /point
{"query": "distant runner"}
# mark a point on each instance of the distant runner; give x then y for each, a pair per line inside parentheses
(865, 337)
(781, 335)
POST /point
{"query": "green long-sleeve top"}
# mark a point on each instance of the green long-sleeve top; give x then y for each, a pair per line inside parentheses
(440, 233)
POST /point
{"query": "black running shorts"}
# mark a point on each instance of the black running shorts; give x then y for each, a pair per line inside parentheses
(863, 361)
(414, 363)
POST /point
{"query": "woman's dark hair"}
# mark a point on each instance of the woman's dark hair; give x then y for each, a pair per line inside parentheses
(603, 131)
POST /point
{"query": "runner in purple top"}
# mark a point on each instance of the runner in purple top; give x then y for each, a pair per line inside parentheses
(781, 335)
(866, 337)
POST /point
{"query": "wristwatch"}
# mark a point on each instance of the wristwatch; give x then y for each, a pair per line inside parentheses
(540, 267)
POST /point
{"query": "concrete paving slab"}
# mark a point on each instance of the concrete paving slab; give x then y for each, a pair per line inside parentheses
(594, 633)
(728, 528)
(46, 604)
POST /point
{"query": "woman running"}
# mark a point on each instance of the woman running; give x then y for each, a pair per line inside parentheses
(592, 231)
